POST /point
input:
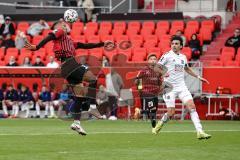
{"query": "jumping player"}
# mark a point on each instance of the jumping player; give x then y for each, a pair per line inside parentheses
(71, 70)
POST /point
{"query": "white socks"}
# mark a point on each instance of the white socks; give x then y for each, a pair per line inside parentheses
(196, 120)
(5, 111)
(165, 118)
(37, 109)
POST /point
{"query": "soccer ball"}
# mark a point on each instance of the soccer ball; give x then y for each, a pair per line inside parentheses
(70, 16)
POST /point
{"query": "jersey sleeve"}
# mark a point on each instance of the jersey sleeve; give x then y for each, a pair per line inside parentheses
(163, 60)
(58, 33)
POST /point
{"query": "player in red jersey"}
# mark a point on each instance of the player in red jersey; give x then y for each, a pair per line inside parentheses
(71, 70)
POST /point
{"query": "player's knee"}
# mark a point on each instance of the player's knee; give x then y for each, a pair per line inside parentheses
(190, 105)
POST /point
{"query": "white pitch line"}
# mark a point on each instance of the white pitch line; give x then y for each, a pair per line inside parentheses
(67, 133)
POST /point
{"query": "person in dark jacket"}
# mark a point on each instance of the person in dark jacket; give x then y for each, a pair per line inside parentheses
(195, 45)
(25, 100)
(11, 99)
(7, 30)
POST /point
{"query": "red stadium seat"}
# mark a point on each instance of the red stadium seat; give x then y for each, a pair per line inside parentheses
(161, 31)
(79, 38)
(2, 51)
(155, 50)
(119, 24)
(178, 25)
(117, 31)
(231, 63)
(93, 26)
(12, 52)
(105, 27)
(228, 51)
(81, 52)
(165, 25)
(208, 24)
(97, 52)
(151, 39)
(193, 24)
(25, 52)
(2, 63)
(37, 39)
(146, 32)
(165, 37)
(93, 39)
(77, 27)
(134, 25)
(148, 25)
(23, 26)
(206, 34)
(216, 63)
(120, 38)
(137, 40)
(104, 38)
(139, 54)
(187, 52)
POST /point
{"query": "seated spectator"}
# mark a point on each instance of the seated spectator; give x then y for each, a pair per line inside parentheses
(194, 44)
(229, 7)
(26, 62)
(52, 63)
(11, 100)
(19, 40)
(180, 33)
(64, 97)
(7, 28)
(12, 61)
(102, 102)
(25, 100)
(45, 101)
(234, 41)
(37, 28)
(38, 62)
(35, 95)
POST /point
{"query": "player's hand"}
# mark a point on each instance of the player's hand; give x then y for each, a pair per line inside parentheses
(137, 113)
(204, 80)
(30, 46)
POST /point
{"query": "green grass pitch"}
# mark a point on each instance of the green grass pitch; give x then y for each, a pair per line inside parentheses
(51, 139)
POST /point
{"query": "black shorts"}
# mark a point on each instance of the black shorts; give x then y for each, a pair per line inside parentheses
(150, 103)
(72, 71)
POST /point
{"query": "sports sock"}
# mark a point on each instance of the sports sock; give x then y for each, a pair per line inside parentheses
(77, 108)
(37, 109)
(165, 118)
(5, 111)
(195, 120)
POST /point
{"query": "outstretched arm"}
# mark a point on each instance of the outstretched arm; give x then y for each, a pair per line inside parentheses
(32, 47)
(190, 71)
(93, 45)
(89, 45)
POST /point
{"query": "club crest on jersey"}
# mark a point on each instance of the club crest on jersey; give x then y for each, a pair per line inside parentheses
(182, 61)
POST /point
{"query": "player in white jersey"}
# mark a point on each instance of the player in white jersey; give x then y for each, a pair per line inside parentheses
(176, 64)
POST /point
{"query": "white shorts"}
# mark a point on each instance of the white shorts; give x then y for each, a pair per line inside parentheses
(181, 92)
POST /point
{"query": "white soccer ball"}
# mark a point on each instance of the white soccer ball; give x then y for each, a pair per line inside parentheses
(70, 16)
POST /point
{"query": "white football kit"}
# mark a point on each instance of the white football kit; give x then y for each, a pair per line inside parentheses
(175, 64)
